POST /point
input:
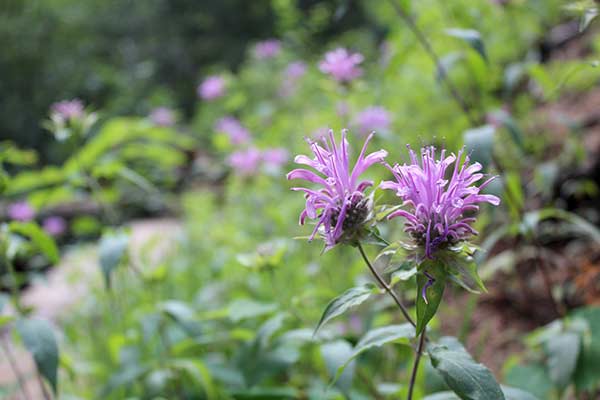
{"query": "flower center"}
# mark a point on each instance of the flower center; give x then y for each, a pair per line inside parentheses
(356, 213)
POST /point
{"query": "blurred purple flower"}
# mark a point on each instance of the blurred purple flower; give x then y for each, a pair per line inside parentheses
(68, 109)
(436, 205)
(275, 158)
(267, 49)
(212, 88)
(293, 72)
(342, 65)
(245, 162)
(55, 226)
(21, 211)
(340, 205)
(373, 119)
(234, 129)
(162, 116)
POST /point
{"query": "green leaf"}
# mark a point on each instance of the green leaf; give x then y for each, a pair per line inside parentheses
(587, 374)
(38, 237)
(467, 378)
(113, 252)
(402, 275)
(378, 337)
(464, 273)
(335, 354)
(532, 378)
(587, 17)
(509, 393)
(350, 298)
(38, 337)
(562, 351)
(426, 310)
(472, 37)
(480, 141)
(247, 308)
(197, 372)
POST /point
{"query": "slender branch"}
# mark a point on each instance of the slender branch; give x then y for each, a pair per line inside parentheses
(413, 376)
(436, 60)
(385, 286)
(13, 365)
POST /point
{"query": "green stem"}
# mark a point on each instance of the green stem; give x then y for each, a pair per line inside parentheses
(14, 285)
(413, 376)
(385, 286)
(422, 39)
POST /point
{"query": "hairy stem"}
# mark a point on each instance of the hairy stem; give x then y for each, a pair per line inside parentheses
(385, 286)
(436, 60)
(413, 376)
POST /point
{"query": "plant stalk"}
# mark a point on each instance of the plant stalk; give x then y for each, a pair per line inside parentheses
(436, 60)
(385, 286)
(413, 376)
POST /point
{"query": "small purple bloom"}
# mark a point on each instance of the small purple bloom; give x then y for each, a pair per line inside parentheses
(21, 211)
(339, 205)
(245, 162)
(162, 116)
(55, 226)
(68, 109)
(439, 208)
(234, 129)
(275, 158)
(267, 49)
(212, 88)
(342, 65)
(293, 72)
(373, 119)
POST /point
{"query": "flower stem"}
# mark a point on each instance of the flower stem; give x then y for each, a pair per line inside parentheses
(413, 376)
(385, 285)
(422, 39)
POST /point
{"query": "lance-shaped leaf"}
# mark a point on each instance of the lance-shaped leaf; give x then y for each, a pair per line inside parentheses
(472, 37)
(350, 298)
(562, 351)
(38, 238)
(467, 378)
(378, 337)
(38, 337)
(429, 293)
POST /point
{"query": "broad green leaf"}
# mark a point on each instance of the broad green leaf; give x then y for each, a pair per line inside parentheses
(472, 37)
(335, 354)
(427, 309)
(38, 337)
(112, 252)
(378, 337)
(587, 374)
(467, 378)
(464, 273)
(38, 237)
(531, 378)
(562, 351)
(509, 393)
(350, 298)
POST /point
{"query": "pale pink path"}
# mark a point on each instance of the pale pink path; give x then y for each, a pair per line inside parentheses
(70, 280)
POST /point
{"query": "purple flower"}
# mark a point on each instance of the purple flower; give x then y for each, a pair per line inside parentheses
(68, 109)
(339, 205)
(21, 211)
(440, 209)
(212, 88)
(275, 158)
(267, 49)
(245, 162)
(162, 116)
(55, 226)
(293, 72)
(234, 129)
(373, 119)
(342, 65)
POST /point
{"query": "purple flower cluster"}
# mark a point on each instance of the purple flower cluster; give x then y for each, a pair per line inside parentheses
(212, 88)
(439, 208)
(339, 205)
(373, 119)
(267, 49)
(55, 225)
(232, 127)
(162, 116)
(342, 65)
(68, 109)
(21, 211)
(247, 162)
